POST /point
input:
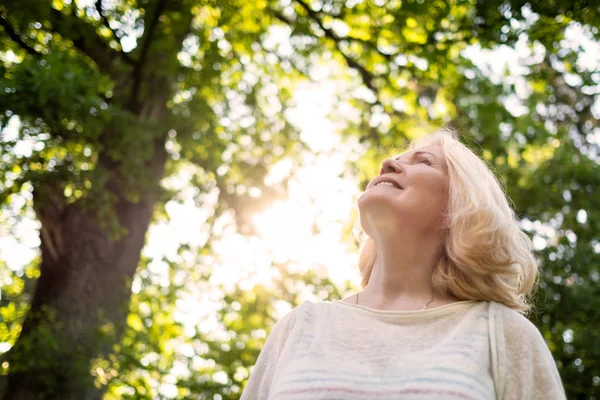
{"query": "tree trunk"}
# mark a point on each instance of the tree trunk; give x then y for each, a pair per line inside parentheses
(81, 299)
(80, 304)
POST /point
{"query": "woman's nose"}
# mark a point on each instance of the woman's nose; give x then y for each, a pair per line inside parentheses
(389, 165)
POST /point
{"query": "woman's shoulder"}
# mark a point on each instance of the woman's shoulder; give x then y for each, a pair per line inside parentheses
(525, 367)
(308, 310)
(514, 325)
(297, 313)
(304, 313)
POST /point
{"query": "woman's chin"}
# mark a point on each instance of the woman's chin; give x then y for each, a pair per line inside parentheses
(381, 211)
(379, 198)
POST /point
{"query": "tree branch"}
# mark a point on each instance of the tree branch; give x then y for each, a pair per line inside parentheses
(139, 64)
(85, 39)
(105, 22)
(367, 77)
(371, 45)
(14, 35)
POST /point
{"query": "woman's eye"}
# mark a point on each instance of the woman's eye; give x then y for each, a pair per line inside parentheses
(426, 161)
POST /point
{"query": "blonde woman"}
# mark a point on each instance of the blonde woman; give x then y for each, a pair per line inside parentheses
(446, 276)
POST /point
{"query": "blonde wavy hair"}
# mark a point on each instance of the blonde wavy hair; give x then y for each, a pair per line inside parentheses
(485, 255)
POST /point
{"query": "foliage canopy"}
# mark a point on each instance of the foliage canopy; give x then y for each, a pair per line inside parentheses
(109, 98)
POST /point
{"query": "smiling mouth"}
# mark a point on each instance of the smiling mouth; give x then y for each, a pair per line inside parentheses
(389, 184)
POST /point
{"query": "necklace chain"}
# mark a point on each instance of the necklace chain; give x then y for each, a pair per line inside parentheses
(424, 307)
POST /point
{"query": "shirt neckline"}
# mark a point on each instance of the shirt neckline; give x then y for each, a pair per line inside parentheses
(428, 312)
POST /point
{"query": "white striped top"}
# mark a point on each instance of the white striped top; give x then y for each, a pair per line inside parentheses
(464, 350)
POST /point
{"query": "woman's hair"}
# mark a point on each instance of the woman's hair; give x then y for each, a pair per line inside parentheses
(485, 255)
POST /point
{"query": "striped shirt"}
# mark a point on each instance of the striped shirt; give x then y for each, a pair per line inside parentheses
(464, 350)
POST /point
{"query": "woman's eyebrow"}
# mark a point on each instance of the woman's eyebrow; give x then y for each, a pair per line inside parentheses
(424, 152)
(416, 153)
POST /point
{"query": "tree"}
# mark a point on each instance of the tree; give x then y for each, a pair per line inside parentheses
(119, 95)
(106, 121)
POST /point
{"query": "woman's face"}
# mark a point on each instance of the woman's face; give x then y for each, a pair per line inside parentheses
(417, 196)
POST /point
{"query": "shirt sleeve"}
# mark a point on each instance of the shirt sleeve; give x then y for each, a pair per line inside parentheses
(259, 383)
(524, 363)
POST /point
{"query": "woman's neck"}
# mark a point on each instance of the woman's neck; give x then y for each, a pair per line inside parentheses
(402, 276)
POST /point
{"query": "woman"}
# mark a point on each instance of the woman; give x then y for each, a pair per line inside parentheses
(446, 276)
